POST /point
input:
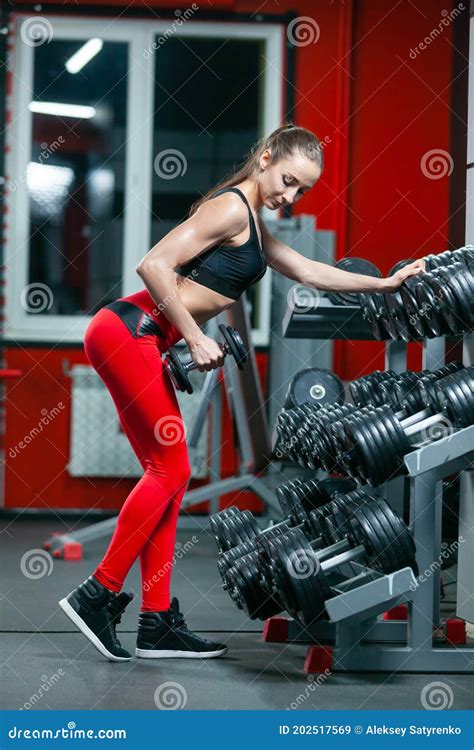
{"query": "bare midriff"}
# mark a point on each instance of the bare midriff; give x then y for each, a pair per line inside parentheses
(202, 303)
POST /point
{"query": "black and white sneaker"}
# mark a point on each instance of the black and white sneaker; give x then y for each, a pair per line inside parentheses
(97, 611)
(163, 635)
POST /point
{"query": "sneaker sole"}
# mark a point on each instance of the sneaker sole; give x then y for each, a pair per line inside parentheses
(145, 653)
(85, 629)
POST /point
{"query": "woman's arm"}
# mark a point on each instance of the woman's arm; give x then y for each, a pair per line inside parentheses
(213, 223)
(292, 264)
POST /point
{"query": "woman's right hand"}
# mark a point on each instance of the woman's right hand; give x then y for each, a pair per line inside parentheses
(205, 352)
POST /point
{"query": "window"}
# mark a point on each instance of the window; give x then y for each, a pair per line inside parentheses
(75, 178)
(86, 196)
(198, 140)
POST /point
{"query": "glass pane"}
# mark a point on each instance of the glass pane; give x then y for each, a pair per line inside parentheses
(76, 176)
(207, 117)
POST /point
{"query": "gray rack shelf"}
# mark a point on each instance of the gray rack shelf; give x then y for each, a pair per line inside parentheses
(362, 641)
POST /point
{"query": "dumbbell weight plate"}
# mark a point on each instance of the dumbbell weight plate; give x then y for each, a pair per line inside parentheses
(458, 408)
(449, 291)
(401, 540)
(353, 265)
(398, 323)
(463, 287)
(317, 521)
(367, 531)
(216, 523)
(245, 525)
(264, 548)
(383, 429)
(363, 389)
(314, 385)
(226, 535)
(330, 486)
(398, 266)
(368, 457)
(234, 341)
(177, 372)
(244, 581)
(415, 314)
(374, 310)
(429, 304)
(346, 457)
(225, 560)
(297, 576)
(400, 445)
(447, 305)
(231, 530)
(466, 256)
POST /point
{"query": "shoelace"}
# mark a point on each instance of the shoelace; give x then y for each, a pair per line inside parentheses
(116, 611)
(179, 621)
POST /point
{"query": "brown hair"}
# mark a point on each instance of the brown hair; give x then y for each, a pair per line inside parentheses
(283, 142)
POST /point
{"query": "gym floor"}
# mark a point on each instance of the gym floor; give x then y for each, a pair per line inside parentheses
(47, 664)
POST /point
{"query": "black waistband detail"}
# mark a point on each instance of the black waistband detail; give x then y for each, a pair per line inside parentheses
(138, 322)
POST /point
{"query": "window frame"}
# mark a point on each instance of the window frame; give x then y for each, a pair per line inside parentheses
(139, 35)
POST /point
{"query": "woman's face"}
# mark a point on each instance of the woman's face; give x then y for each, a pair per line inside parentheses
(283, 183)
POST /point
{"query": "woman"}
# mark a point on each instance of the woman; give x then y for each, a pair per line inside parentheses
(190, 276)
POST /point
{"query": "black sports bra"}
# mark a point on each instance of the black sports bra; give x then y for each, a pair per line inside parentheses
(225, 269)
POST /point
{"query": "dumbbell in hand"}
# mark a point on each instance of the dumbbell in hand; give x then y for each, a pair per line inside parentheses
(178, 370)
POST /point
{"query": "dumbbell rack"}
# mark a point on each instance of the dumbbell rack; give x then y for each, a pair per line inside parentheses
(357, 637)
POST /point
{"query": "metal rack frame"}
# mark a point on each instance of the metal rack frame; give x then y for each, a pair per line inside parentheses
(362, 641)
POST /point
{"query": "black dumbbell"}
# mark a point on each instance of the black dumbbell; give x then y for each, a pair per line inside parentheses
(434, 303)
(305, 578)
(178, 370)
(244, 578)
(318, 439)
(376, 442)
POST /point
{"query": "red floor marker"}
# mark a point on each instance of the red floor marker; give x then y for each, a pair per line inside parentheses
(456, 632)
(275, 630)
(400, 612)
(318, 659)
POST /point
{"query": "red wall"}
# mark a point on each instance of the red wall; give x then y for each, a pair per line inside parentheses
(382, 111)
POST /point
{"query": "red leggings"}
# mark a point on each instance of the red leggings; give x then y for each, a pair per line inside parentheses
(148, 410)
